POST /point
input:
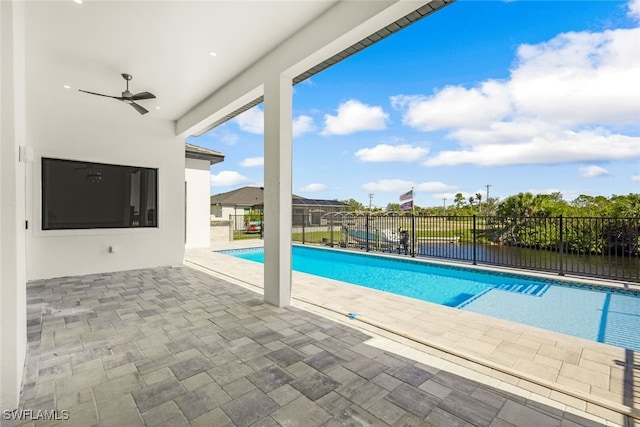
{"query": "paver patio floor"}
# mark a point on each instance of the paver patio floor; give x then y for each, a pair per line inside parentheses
(177, 346)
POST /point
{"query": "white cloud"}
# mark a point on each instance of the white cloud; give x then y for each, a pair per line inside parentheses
(455, 106)
(227, 178)
(391, 153)
(551, 148)
(354, 116)
(635, 178)
(401, 186)
(569, 99)
(634, 9)
(592, 171)
(251, 162)
(251, 121)
(313, 187)
(302, 125)
(580, 78)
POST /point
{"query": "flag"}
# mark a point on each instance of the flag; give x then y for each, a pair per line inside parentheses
(407, 196)
(407, 206)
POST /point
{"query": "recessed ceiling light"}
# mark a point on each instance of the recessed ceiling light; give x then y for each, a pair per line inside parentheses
(77, 1)
(67, 87)
(157, 108)
(213, 54)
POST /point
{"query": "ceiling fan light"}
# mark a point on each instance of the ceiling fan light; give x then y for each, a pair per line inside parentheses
(128, 97)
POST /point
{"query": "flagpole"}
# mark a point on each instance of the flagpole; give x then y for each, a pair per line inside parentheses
(413, 201)
(413, 223)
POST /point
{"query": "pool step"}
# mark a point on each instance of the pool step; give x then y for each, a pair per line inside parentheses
(537, 290)
(463, 300)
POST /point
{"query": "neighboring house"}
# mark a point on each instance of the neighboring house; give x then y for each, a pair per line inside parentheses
(197, 178)
(313, 211)
(236, 203)
(233, 205)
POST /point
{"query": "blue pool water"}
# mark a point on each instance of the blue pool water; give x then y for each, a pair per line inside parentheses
(598, 314)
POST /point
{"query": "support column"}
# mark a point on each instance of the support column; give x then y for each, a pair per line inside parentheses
(13, 304)
(278, 110)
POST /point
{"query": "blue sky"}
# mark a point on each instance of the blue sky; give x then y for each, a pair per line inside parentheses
(539, 96)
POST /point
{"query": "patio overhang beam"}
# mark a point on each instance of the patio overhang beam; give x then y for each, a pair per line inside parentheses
(344, 30)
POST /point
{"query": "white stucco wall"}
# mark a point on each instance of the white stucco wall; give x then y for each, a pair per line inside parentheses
(13, 328)
(230, 212)
(198, 179)
(136, 141)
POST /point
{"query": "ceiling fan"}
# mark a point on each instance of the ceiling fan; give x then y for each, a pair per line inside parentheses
(127, 96)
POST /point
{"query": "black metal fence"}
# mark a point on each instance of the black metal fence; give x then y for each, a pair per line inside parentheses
(595, 247)
(249, 226)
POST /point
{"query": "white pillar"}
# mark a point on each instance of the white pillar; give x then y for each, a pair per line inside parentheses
(278, 100)
(198, 203)
(13, 304)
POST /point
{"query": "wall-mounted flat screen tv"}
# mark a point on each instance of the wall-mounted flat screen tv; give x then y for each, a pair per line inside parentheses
(84, 195)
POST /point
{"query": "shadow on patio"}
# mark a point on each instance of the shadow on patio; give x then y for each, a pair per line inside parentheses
(175, 346)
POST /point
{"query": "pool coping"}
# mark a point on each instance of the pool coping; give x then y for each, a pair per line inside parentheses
(572, 371)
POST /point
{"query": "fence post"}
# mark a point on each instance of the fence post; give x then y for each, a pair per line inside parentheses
(303, 229)
(366, 232)
(475, 241)
(262, 225)
(331, 230)
(561, 246)
(413, 235)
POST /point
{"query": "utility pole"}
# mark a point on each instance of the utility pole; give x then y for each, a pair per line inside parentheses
(370, 199)
(444, 205)
(487, 201)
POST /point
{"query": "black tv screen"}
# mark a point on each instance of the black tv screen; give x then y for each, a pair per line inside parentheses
(84, 195)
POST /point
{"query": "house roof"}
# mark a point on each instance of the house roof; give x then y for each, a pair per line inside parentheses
(245, 196)
(254, 197)
(200, 153)
(303, 201)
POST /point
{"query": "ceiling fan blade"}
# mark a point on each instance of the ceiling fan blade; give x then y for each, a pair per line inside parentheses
(139, 108)
(142, 95)
(99, 94)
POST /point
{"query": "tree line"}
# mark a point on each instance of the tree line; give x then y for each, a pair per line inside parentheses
(523, 205)
(587, 224)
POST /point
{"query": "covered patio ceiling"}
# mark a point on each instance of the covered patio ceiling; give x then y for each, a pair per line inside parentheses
(202, 59)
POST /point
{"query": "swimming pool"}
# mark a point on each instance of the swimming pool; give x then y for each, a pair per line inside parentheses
(601, 314)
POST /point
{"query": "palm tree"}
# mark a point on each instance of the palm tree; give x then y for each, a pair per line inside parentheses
(459, 200)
